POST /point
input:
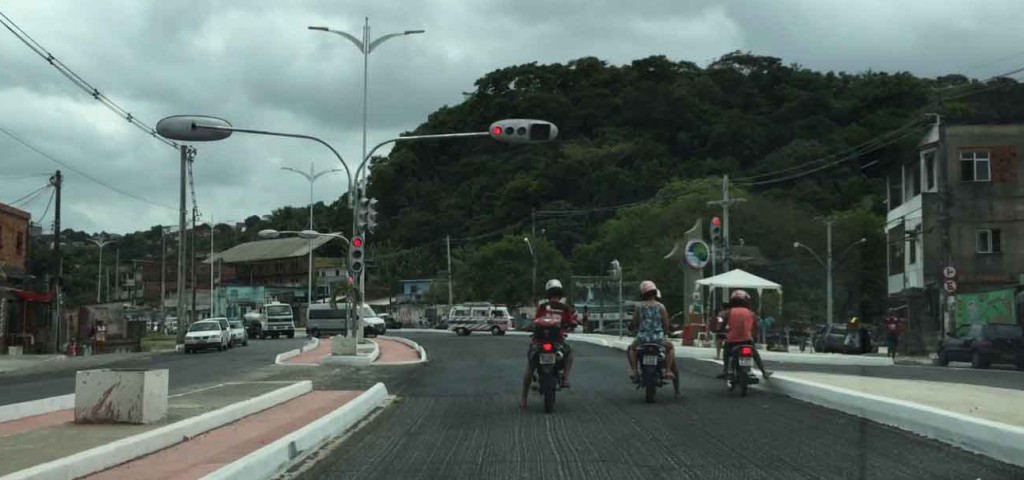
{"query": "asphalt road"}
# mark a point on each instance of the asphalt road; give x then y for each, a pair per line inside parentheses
(191, 370)
(457, 417)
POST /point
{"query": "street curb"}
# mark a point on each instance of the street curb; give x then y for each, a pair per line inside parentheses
(281, 357)
(992, 439)
(352, 359)
(274, 457)
(32, 408)
(411, 344)
(127, 449)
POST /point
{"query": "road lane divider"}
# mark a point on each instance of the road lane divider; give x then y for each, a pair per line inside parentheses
(16, 411)
(120, 451)
(281, 357)
(411, 344)
(278, 455)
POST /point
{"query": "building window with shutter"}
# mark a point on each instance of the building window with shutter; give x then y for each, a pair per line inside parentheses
(989, 240)
(19, 244)
(975, 166)
(929, 171)
(912, 251)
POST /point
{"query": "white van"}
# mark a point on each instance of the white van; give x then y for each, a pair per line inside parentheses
(327, 320)
(467, 318)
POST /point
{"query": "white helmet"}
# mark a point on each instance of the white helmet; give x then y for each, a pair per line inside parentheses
(553, 287)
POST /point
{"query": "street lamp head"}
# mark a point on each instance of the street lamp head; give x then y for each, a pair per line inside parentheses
(321, 29)
(796, 244)
(526, 239)
(189, 128)
(413, 32)
(862, 240)
(309, 234)
(269, 233)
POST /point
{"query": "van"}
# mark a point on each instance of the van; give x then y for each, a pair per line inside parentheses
(327, 320)
(479, 317)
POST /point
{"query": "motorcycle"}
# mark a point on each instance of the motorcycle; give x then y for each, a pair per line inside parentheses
(547, 376)
(740, 371)
(651, 362)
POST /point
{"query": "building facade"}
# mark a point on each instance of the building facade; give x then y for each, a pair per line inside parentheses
(14, 236)
(969, 185)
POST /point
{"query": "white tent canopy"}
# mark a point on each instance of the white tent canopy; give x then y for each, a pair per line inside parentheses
(739, 279)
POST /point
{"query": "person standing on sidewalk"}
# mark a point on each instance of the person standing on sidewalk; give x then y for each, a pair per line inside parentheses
(892, 333)
(99, 337)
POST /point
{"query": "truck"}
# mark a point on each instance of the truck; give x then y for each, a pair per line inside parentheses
(274, 319)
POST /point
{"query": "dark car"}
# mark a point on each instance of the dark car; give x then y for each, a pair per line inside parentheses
(983, 345)
(832, 338)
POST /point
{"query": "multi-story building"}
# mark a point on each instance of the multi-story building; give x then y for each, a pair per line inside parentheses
(972, 179)
(281, 262)
(14, 235)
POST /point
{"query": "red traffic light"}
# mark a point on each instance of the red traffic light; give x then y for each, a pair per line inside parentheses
(496, 130)
(357, 242)
(716, 221)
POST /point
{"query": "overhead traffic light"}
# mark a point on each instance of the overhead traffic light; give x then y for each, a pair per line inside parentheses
(367, 214)
(519, 130)
(355, 255)
(716, 228)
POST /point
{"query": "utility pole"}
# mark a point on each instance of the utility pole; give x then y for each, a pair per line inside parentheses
(117, 273)
(828, 269)
(187, 153)
(725, 203)
(533, 235)
(212, 288)
(57, 181)
(945, 218)
(192, 261)
(163, 275)
(448, 242)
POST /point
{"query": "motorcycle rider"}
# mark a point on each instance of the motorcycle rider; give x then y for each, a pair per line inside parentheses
(562, 317)
(651, 324)
(740, 321)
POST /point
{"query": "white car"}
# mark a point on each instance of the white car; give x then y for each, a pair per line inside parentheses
(238, 334)
(209, 333)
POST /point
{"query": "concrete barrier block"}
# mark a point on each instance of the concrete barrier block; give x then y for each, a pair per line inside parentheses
(121, 396)
(343, 346)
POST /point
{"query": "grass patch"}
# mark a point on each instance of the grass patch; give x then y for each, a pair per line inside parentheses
(158, 341)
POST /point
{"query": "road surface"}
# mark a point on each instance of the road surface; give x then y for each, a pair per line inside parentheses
(457, 417)
(185, 370)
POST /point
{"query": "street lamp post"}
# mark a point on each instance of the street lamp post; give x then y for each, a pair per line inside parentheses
(312, 177)
(829, 264)
(99, 271)
(533, 289)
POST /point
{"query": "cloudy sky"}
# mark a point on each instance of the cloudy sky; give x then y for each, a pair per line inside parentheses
(255, 63)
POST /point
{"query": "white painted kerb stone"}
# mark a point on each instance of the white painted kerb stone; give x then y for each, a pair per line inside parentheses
(121, 396)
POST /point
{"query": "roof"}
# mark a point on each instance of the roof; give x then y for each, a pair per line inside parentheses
(739, 279)
(14, 211)
(931, 137)
(274, 249)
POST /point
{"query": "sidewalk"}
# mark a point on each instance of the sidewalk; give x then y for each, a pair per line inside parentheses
(391, 351)
(40, 439)
(994, 404)
(40, 363)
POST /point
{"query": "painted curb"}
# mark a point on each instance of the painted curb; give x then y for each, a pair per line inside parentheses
(126, 449)
(279, 454)
(32, 408)
(992, 439)
(311, 345)
(281, 357)
(411, 344)
(352, 359)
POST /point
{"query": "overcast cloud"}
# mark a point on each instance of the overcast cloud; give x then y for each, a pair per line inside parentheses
(256, 64)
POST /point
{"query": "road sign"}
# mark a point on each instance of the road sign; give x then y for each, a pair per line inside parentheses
(949, 272)
(949, 286)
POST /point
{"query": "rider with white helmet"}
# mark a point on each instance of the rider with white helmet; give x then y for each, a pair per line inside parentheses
(740, 323)
(550, 321)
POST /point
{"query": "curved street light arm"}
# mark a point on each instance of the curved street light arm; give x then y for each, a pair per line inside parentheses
(325, 172)
(355, 41)
(279, 134)
(300, 172)
(815, 255)
(369, 155)
(383, 38)
(847, 249)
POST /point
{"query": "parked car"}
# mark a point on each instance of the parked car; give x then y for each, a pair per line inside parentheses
(391, 321)
(206, 334)
(983, 345)
(372, 323)
(238, 334)
(832, 339)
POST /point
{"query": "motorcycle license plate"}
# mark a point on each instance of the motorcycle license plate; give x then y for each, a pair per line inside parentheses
(547, 359)
(746, 361)
(651, 360)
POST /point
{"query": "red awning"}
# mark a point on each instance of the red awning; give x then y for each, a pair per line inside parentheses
(27, 296)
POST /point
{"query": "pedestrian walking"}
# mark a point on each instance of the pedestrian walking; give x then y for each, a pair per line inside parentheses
(893, 328)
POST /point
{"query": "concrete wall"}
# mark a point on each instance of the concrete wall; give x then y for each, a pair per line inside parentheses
(13, 224)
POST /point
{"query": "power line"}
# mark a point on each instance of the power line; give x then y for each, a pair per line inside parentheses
(78, 80)
(20, 176)
(48, 203)
(83, 174)
(28, 195)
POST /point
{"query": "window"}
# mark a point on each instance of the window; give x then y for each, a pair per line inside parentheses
(912, 251)
(989, 241)
(912, 180)
(929, 171)
(975, 166)
(896, 258)
(19, 247)
(1, 238)
(895, 190)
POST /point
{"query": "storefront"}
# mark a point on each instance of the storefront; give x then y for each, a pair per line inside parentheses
(25, 320)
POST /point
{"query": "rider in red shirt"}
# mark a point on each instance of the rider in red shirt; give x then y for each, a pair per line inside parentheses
(740, 322)
(550, 322)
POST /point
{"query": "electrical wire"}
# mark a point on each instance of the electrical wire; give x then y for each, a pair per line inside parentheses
(78, 80)
(27, 195)
(83, 174)
(48, 203)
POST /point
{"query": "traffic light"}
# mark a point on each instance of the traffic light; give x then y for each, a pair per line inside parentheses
(518, 130)
(355, 255)
(716, 229)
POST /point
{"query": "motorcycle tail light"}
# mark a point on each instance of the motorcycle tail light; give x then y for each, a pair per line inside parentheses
(746, 352)
(548, 347)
